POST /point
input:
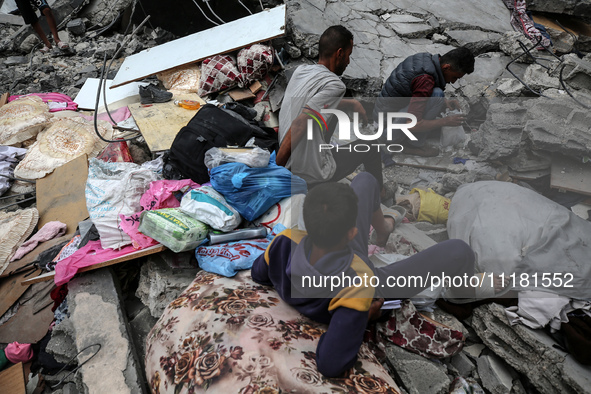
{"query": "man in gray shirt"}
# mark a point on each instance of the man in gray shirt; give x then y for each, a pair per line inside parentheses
(311, 89)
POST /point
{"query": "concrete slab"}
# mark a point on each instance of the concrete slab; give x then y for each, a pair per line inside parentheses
(98, 318)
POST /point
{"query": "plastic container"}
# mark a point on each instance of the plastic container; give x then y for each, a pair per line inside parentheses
(187, 104)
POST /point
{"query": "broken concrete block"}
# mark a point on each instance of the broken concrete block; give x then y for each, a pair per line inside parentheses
(500, 136)
(509, 44)
(477, 41)
(530, 352)
(474, 351)
(437, 232)
(463, 364)
(509, 87)
(97, 317)
(160, 285)
(418, 374)
(14, 60)
(495, 374)
(412, 30)
(569, 7)
(76, 27)
(576, 73)
(439, 38)
(108, 48)
(537, 78)
(61, 345)
(28, 43)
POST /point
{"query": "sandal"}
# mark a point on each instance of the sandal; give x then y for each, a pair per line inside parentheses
(63, 45)
(45, 50)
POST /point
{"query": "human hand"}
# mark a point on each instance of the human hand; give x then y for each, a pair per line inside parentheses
(454, 120)
(358, 107)
(453, 104)
(375, 309)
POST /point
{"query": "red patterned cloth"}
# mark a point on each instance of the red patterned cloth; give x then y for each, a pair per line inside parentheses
(218, 73)
(254, 62)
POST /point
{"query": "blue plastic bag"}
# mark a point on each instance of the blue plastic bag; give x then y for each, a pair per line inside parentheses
(252, 191)
(227, 259)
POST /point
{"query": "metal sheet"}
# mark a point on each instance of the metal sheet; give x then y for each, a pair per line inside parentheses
(225, 38)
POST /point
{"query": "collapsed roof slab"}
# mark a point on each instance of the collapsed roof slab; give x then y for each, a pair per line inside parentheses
(252, 29)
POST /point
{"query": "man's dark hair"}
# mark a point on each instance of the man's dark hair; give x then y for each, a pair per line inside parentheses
(330, 211)
(332, 39)
(460, 59)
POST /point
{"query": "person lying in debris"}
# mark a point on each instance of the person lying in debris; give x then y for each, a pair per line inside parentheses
(28, 13)
(338, 218)
(416, 86)
(311, 89)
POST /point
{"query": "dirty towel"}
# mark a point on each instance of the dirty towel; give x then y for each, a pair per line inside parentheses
(55, 101)
(49, 231)
(217, 318)
(89, 255)
(9, 158)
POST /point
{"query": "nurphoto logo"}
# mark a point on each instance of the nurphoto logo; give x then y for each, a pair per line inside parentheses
(393, 120)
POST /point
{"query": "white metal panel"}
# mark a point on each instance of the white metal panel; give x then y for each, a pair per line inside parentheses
(86, 97)
(251, 29)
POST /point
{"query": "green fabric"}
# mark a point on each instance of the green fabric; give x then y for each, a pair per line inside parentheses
(3, 360)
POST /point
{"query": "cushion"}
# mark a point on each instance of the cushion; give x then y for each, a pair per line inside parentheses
(254, 62)
(218, 73)
(232, 335)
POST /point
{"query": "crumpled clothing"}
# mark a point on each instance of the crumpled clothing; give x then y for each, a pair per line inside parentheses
(90, 254)
(9, 158)
(55, 101)
(119, 115)
(66, 251)
(58, 295)
(537, 309)
(18, 352)
(61, 312)
(49, 231)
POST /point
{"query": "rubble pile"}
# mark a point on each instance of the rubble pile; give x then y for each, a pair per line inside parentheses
(528, 122)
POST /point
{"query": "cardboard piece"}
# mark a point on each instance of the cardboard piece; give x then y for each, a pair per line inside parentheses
(86, 97)
(241, 94)
(133, 255)
(11, 291)
(32, 255)
(160, 123)
(27, 326)
(571, 175)
(60, 195)
(4, 99)
(255, 87)
(253, 29)
(12, 380)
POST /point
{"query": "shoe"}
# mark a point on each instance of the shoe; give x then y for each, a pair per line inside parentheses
(424, 151)
(45, 50)
(151, 94)
(63, 46)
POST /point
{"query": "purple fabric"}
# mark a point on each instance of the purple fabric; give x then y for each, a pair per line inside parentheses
(49, 231)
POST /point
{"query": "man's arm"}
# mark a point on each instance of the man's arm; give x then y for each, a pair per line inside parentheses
(353, 105)
(292, 138)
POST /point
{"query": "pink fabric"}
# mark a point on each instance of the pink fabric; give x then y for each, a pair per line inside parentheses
(18, 352)
(159, 195)
(90, 254)
(119, 115)
(49, 231)
(51, 97)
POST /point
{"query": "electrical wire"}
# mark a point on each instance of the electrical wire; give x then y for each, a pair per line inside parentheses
(247, 9)
(206, 17)
(214, 14)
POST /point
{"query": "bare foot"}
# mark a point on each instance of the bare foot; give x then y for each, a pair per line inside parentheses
(382, 238)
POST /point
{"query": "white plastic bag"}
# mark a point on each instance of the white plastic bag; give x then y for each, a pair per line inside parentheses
(208, 206)
(252, 157)
(288, 212)
(113, 189)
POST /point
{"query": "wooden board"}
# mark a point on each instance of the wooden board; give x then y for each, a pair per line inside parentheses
(230, 36)
(3, 99)
(60, 195)
(10, 291)
(133, 255)
(12, 380)
(26, 326)
(572, 24)
(32, 255)
(160, 123)
(86, 97)
(571, 175)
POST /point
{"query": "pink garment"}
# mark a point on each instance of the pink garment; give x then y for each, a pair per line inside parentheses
(159, 195)
(119, 115)
(49, 231)
(49, 98)
(18, 352)
(92, 253)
